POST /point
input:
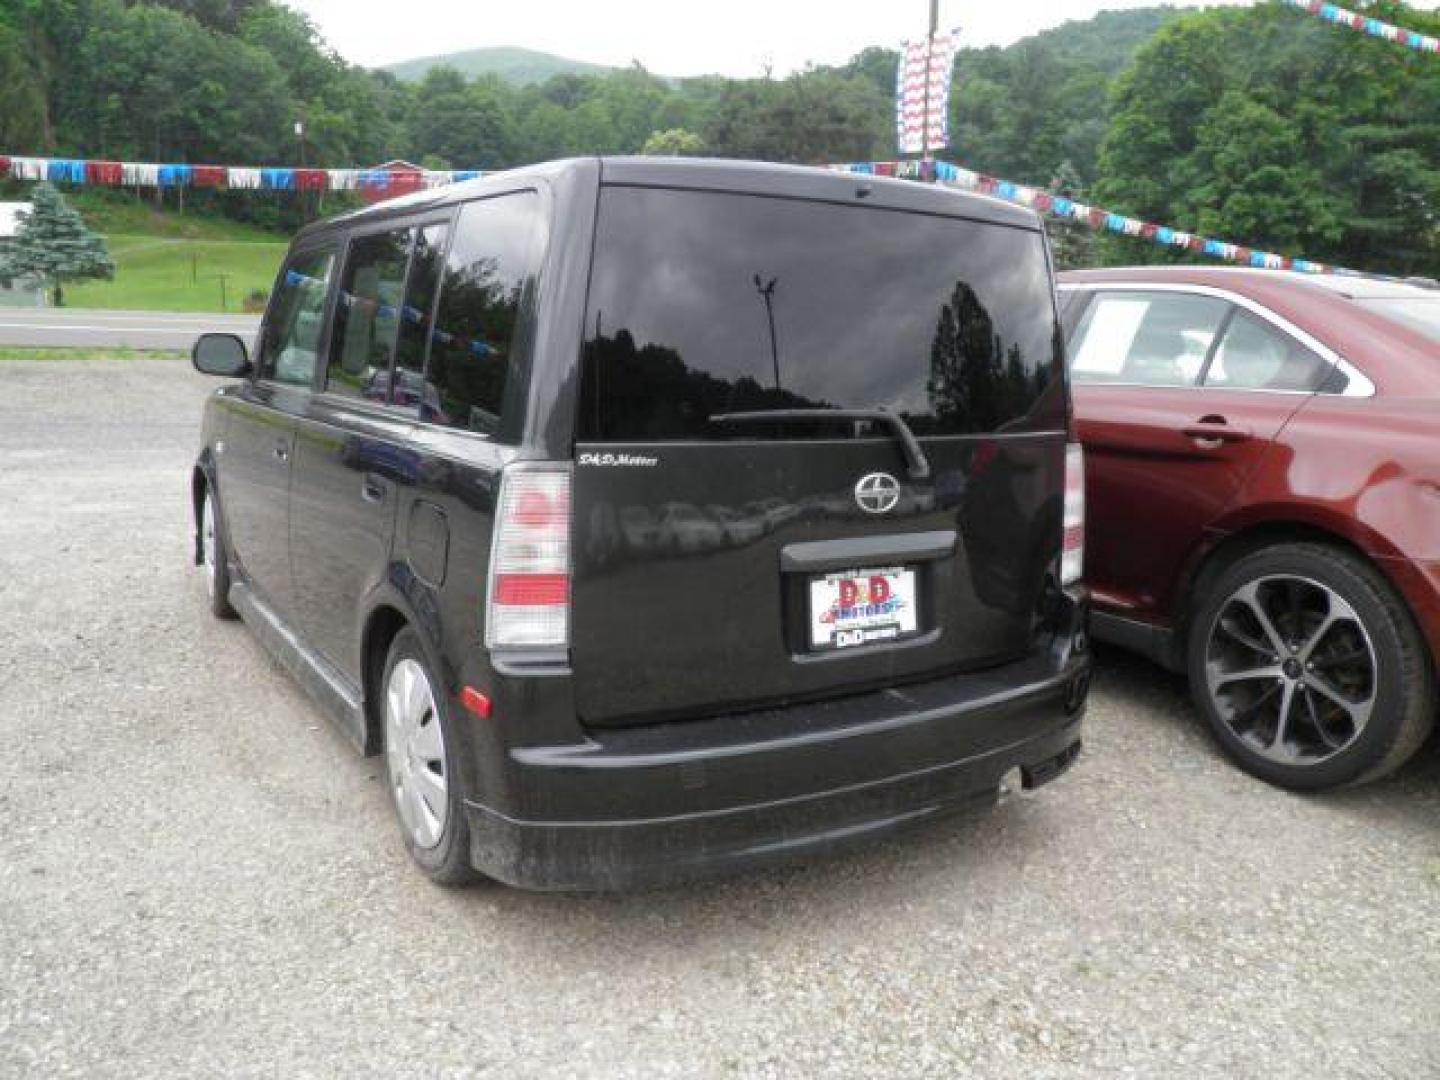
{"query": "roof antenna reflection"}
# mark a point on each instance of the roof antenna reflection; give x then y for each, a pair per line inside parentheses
(767, 293)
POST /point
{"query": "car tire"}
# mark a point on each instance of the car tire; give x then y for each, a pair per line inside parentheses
(215, 558)
(421, 751)
(1316, 636)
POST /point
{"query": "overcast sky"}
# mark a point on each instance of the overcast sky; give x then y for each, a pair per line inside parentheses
(678, 37)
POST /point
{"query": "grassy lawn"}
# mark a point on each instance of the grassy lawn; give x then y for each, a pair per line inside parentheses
(166, 274)
(167, 261)
(121, 213)
(11, 354)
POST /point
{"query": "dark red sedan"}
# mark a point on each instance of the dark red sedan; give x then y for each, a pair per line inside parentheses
(1263, 477)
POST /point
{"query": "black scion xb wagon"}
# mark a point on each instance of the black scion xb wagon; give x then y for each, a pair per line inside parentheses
(659, 517)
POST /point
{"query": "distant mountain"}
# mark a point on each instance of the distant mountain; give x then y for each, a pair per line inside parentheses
(518, 66)
(1109, 39)
(1106, 42)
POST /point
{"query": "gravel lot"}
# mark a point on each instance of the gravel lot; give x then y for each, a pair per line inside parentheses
(198, 877)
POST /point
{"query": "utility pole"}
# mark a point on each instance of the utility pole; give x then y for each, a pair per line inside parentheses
(300, 135)
(929, 64)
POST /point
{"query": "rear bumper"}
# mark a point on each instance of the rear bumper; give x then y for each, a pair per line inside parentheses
(679, 801)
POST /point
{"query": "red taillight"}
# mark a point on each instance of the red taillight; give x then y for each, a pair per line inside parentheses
(1072, 557)
(529, 590)
(530, 562)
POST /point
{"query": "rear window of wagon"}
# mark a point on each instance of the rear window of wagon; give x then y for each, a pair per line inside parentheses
(704, 303)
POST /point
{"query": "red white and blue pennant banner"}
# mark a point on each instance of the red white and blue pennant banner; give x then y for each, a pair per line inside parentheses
(1366, 25)
(922, 93)
(943, 172)
(384, 183)
(379, 182)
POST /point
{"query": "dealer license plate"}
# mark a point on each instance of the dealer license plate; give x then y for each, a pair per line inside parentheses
(861, 607)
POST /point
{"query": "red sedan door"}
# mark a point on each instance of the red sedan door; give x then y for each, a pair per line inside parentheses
(1178, 395)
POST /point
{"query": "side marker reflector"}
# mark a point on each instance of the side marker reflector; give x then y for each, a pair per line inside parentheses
(475, 703)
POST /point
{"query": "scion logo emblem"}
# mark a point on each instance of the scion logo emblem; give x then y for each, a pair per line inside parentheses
(877, 493)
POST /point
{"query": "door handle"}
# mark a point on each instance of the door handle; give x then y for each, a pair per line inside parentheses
(1216, 430)
(281, 452)
(373, 489)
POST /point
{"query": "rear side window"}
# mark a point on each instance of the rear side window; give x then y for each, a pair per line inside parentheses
(488, 276)
(367, 318)
(291, 343)
(1254, 355)
(1145, 338)
(703, 304)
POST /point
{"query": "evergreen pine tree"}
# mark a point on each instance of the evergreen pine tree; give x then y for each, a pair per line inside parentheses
(53, 246)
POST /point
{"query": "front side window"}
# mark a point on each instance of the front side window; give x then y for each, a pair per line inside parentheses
(290, 345)
(1145, 338)
(368, 315)
(1255, 355)
(487, 275)
(706, 305)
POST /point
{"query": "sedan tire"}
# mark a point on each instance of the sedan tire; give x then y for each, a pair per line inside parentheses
(1309, 669)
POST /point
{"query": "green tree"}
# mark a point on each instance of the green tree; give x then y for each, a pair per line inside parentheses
(24, 120)
(1278, 132)
(467, 124)
(53, 246)
(674, 142)
(1021, 111)
(223, 15)
(152, 84)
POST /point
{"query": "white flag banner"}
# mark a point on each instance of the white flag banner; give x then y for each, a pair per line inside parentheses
(922, 93)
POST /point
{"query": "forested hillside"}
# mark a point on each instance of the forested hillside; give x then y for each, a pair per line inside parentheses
(1261, 125)
(519, 67)
(225, 80)
(1286, 133)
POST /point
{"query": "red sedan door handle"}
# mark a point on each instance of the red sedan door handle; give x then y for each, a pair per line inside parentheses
(1215, 430)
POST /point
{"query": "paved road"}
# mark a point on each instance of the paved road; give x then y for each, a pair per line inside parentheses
(76, 328)
(197, 877)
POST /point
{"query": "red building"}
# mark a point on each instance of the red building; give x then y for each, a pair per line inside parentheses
(390, 180)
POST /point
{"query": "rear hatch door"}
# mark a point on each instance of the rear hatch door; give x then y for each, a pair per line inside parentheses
(754, 523)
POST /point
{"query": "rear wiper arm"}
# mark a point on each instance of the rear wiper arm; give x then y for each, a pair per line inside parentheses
(915, 458)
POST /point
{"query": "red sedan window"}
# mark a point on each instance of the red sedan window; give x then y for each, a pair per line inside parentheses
(1254, 355)
(1146, 338)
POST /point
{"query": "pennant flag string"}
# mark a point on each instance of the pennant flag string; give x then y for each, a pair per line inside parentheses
(383, 183)
(1365, 25)
(77, 172)
(1094, 217)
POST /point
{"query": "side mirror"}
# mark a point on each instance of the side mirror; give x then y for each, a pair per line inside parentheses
(220, 354)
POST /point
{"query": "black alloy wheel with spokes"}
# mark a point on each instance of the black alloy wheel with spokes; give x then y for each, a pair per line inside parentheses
(1309, 668)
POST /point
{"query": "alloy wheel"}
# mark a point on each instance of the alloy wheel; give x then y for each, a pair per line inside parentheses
(1291, 669)
(415, 754)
